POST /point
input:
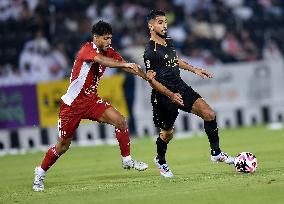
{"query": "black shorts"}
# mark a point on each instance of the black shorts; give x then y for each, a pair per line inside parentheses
(165, 111)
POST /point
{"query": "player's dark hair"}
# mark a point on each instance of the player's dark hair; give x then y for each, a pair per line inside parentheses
(154, 13)
(101, 28)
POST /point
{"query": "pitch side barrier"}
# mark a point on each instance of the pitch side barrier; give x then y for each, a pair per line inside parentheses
(242, 94)
(29, 115)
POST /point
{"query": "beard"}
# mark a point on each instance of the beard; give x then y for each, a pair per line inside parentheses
(162, 35)
(103, 48)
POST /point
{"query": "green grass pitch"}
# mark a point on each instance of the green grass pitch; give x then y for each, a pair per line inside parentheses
(94, 174)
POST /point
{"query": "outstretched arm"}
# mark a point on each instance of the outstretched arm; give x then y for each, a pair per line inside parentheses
(138, 73)
(201, 72)
(150, 77)
(113, 63)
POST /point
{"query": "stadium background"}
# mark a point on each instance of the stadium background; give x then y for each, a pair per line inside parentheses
(240, 41)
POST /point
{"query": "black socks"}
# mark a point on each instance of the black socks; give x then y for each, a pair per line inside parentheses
(161, 150)
(211, 130)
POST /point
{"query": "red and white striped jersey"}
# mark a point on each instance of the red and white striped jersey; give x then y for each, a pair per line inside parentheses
(85, 76)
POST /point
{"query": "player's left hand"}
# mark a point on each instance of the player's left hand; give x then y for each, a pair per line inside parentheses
(134, 66)
(203, 73)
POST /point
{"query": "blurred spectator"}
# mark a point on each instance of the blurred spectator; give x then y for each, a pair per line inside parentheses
(60, 60)
(108, 12)
(44, 35)
(249, 48)
(194, 57)
(178, 33)
(205, 31)
(92, 11)
(126, 39)
(200, 58)
(232, 47)
(10, 76)
(271, 50)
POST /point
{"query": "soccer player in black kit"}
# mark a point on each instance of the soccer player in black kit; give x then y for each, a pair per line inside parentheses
(160, 57)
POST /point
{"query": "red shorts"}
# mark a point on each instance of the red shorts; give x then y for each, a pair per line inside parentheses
(70, 117)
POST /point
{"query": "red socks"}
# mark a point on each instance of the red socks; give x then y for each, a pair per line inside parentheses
(50, 158)
(123, 139)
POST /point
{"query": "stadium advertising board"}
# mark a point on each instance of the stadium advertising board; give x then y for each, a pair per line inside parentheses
(111, 89)
(49, 97)
(18, 107)
(241, 85)
(233, 86)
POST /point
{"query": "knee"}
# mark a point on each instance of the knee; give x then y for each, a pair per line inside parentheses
(120, 123)
(167, 135)
(65, 148)
(209, 115)
(62, 147)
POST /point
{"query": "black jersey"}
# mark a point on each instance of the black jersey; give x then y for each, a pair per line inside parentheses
(163, 60)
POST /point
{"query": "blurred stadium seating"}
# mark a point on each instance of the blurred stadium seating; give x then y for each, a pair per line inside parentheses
(39, 40)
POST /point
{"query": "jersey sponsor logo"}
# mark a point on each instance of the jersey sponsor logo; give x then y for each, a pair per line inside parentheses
(90, 90)
(172, 62)
(93, 87)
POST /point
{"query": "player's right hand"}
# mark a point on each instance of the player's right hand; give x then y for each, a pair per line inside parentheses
(177, 98)
(133, 66)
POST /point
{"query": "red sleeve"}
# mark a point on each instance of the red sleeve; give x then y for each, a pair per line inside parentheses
(118, 57)
(112, 53)
(88, 52)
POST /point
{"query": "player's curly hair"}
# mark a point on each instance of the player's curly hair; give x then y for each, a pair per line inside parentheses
(101, 28)
(154, 13)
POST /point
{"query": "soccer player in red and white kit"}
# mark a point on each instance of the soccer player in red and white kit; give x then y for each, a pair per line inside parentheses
(81, 101)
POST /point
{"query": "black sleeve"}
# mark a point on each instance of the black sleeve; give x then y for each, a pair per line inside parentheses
(150, 60)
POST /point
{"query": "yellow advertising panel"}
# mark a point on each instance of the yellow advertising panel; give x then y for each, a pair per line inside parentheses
(49, 97)
(111, 89)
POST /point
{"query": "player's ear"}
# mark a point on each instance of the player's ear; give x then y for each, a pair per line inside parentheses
(151, 27)
(94, 37)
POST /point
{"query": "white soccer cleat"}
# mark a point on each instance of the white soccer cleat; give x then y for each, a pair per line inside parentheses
(164, 169)
(133, 164)
(223, 157)
(38, 184)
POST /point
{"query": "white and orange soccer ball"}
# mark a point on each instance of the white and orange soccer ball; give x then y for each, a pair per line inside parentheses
(246, 162)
